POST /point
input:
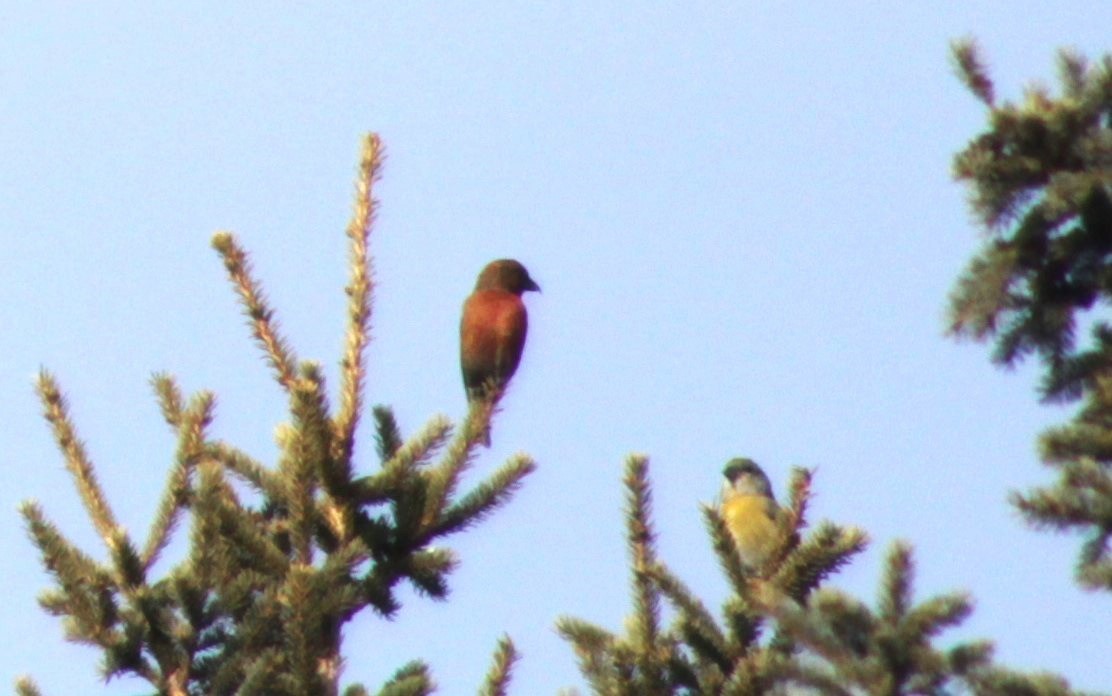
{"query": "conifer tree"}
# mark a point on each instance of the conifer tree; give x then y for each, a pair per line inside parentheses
(697, 653)
(782, 631)
(851, 649)
(1040, 184)
(258, 604)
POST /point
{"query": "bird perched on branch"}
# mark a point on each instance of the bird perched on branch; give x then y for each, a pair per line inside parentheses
(492, 330)
(749, 510)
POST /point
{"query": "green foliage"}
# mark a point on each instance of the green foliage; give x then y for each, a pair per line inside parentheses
(25, 687)
(781, 631)
(1040, 179)
(1082, 497)
(258, 604)
(849, 649)
(697, 653)
(1040, 182)
(887, 651)
(498, 678)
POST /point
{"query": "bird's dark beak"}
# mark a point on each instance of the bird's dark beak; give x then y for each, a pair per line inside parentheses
(533, 286)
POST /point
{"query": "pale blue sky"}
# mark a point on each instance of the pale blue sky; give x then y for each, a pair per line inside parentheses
(741, 215)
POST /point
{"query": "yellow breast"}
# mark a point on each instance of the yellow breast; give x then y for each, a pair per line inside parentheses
(751, 521)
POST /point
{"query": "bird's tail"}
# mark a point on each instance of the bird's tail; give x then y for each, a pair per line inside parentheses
(483, 404)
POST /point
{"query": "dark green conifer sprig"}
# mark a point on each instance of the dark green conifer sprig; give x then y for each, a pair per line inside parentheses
(25, 687)
(851, 649)
(1040, 182)
(697, 654)
(498, 678)
(280, 556)
(1081, 499)
(411, 680)
(640, 662)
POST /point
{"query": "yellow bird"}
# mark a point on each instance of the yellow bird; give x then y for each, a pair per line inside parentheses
(749, 510)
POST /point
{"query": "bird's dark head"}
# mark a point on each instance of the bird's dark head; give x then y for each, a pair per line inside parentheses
(741, 465)
(508, 275)
(743, 475)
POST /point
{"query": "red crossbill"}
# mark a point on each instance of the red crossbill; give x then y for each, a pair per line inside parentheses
(492, 330)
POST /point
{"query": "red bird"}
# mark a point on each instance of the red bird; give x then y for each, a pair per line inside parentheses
(492, 331)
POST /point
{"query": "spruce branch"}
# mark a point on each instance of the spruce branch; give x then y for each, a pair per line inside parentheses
(388, 437)
(856, 650)
(486, 497)
(377, 587)
(340, 595)
(1073, 71)
(938, 613)
(421, 448)
(129, 572)
(56, 412)
(644, 624)
(411, 680)
(85, 594)
(694, 622)
(303, 627)
(443, 479)
(593, 646)
(724, 547)
(1080, 500)
(316, 444)
(259, 604)
(971, 70)
(827, 549)
(1039, 179)
(406, 460)
(644, 660)
(25, 686)
(170, 398)
(895, 596)
(991, 681)
(89, 598)
(799, 498)
(696, 654)
(497, 680)
(1094, 570)
(191, 424)
(1043, 164)
(428, 569)
(254, 472)
(229, 539)
(261, 674)
(260, 316)
(359, 290)
(306, 461)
